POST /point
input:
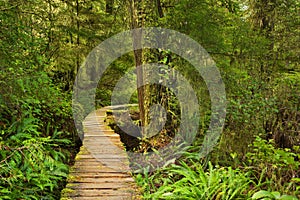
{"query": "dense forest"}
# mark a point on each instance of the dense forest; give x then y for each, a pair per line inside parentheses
(254, 44)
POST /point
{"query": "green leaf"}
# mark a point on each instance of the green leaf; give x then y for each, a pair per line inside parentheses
(276, 194)
(262, 194)
(288, 197)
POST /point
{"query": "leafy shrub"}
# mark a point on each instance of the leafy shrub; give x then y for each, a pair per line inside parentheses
(35, 95)
(37, 137)
(31, 166)
(194, 182)
(275, 167)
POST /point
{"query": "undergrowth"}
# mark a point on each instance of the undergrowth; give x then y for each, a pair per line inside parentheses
(191, 178)
(37, 137)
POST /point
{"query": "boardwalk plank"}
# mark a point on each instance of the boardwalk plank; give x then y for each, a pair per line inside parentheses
(102, 180)
(102, 193)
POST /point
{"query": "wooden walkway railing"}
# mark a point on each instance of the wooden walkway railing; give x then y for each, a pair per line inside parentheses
(101, 169)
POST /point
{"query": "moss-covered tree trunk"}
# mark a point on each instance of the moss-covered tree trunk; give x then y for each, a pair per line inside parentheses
(136, 9)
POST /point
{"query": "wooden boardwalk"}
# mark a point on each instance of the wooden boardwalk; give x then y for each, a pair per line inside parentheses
(101, 169)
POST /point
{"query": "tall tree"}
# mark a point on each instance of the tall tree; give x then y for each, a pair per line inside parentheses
(137, 20)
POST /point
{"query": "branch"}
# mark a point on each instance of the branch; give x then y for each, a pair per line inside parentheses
(17, 149)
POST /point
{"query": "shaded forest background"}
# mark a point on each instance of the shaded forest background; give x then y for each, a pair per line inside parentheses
(255, 45)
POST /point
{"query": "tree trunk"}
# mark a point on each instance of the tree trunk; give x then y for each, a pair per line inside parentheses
(137, 22)
(78, 38)
(159, 9)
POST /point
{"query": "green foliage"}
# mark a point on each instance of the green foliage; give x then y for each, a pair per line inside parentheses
(267, 168)
(262, 194)
(276, 167)
(265, 152)
(192, 181)
(254, 43)
(36, 96)
(31, 166)
(33, 153)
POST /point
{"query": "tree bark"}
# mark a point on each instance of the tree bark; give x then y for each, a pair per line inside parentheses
(159, 9)
(137, 22)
